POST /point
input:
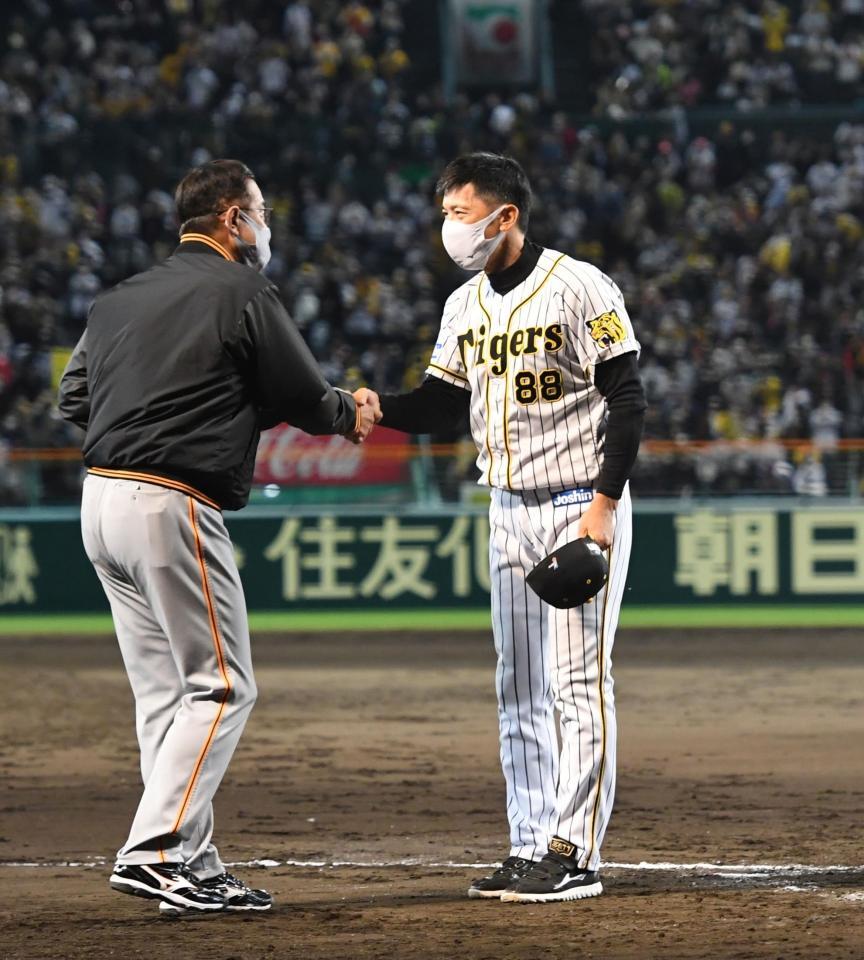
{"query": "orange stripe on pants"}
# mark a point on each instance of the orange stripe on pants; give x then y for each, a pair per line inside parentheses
(217, 644)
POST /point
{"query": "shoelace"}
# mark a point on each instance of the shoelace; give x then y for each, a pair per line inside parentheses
(229, 880)
(187, 874)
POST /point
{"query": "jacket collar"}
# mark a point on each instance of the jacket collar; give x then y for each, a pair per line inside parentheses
(201, 243)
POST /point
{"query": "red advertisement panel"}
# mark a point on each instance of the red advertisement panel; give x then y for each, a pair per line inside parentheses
(291, 458)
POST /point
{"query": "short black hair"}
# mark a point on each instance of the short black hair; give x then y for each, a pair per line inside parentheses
(207, 190)
(494, 177)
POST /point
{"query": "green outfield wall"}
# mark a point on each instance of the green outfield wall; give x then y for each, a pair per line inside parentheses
(757, 554)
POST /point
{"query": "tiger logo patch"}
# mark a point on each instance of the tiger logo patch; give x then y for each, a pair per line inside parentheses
(607, 329)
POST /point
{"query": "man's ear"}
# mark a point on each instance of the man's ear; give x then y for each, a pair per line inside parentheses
(232, 215)
(509, 217)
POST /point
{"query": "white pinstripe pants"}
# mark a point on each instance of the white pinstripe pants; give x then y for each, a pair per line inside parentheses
(554, 660)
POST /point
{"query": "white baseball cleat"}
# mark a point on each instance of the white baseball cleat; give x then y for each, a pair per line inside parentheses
(238, 896)
(172, 883)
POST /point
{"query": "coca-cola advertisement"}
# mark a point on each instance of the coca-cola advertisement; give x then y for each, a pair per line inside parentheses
(289, 457)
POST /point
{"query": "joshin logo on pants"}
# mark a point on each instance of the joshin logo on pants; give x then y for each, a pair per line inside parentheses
(567, 498)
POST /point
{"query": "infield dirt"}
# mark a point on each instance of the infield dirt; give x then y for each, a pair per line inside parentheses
(734, 748)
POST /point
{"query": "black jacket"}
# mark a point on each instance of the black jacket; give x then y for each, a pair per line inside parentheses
(182, 366)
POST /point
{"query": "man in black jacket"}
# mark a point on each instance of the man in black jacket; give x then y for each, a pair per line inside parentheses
(178, 371)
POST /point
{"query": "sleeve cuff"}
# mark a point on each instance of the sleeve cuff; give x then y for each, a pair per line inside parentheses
(448, 376)
(630, 345)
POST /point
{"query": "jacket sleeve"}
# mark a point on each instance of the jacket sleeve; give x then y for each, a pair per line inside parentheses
(74, 397)
(289, 383)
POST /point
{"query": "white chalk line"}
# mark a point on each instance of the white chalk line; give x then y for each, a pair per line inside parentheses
(731, 871)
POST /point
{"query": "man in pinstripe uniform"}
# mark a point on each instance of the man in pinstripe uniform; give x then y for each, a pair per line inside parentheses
(538, 351)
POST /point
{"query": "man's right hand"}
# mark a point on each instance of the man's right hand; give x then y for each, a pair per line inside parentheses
(368, 414)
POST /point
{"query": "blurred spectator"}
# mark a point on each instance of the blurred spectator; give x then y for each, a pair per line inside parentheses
(809, 478)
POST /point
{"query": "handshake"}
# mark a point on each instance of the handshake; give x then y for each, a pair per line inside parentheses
(368, 414)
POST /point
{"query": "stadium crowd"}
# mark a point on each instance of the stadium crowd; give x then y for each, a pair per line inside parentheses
(746, 54)
(740, 253)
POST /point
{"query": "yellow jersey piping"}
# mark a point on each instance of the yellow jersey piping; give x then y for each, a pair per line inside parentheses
(513, 313)
(488, 378)
(601, 661)
(450, 373)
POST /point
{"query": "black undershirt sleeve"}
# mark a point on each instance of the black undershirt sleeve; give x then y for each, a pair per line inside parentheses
(618, 380)
(434, 407)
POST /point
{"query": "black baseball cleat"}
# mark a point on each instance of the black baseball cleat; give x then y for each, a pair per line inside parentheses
(236, 894)
(556, 877)
(171, 883)
(498, 881)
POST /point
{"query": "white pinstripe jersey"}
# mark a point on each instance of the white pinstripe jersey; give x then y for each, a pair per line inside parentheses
(528, 358)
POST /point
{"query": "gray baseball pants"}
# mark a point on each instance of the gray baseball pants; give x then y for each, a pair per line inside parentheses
(167, 566)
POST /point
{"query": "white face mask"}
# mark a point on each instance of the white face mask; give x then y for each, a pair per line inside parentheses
(465, 243)
(256, 254)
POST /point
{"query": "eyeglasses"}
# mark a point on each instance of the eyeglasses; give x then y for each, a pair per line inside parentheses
(264, 212)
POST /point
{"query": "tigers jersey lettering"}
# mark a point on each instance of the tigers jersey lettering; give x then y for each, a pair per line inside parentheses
(528, 358)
